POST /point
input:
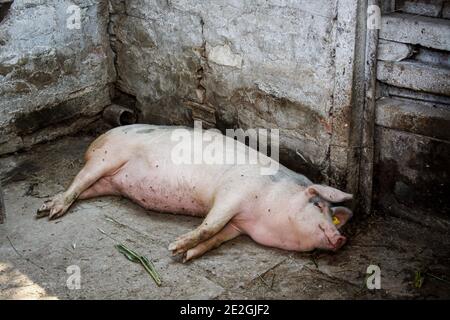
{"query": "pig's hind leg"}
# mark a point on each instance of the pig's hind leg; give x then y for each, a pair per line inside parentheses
(100, 188)
(226, 234)
(97, 166)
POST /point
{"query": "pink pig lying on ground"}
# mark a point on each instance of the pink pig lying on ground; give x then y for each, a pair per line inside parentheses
(285, 210)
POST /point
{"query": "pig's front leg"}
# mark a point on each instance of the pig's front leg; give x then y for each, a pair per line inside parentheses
(224, 209)
(227, 233)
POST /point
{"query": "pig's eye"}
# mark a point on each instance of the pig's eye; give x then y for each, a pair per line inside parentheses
(318, 205)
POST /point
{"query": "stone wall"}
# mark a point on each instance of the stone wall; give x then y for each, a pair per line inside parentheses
(54, 79)
(250, 64)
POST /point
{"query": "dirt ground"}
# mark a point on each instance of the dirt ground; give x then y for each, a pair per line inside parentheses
(35, 254)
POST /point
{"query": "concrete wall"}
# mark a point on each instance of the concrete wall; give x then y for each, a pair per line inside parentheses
(53, 80)
(249, 64)
(413, 113)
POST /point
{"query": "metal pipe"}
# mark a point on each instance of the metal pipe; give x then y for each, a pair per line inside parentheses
(117, 115)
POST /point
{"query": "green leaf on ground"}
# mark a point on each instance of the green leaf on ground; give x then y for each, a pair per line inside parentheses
(418, 279)
(137, 258)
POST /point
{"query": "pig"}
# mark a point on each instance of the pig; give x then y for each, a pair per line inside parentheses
(283, 210)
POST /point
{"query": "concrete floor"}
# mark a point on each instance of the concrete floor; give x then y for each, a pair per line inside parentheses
(34, 254)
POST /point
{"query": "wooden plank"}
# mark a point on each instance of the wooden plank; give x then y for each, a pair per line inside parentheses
(412, 94)
(367, 144)
(428, 119)
(415, 75)
(393, 51)
(421, 7)
(424, 31)
(431, 56)
(2, 207)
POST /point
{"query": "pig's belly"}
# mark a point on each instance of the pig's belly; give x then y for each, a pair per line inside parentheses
(156, 190)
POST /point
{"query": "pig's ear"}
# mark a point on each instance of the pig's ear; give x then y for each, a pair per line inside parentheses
(328, 193)
(341, 215)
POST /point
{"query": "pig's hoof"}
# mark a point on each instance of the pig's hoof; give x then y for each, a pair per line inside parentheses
(172, 246)
(53, 208)
(188, 255)
(177, 247)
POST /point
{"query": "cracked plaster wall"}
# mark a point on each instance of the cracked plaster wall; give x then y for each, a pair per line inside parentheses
(247, 64)
(53, 80)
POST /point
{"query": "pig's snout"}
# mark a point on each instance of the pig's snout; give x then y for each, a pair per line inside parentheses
(338, 242)
(334, 240)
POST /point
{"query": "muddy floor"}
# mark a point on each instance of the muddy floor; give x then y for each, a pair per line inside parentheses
(414, 260)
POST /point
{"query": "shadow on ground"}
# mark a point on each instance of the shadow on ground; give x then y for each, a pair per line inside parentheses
(35, 254)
